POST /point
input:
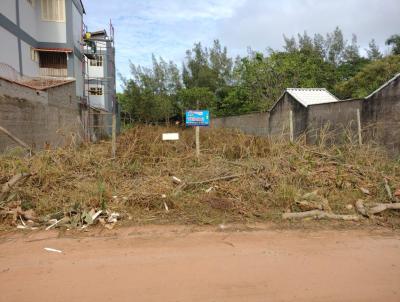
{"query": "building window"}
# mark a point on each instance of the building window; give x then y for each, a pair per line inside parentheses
(96, 91)
(34, 55)
(55, 60)
(53, 10)
(31, 2)
(98, 62)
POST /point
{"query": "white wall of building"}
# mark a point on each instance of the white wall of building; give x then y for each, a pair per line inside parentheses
(78, 69)
(9, 49)
(8, 9)
(49, 31)
(96, 71)
(28, 16)
(30, 67)
(97, 101)
(77, 22)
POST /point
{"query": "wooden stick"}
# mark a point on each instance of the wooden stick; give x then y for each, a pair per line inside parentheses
(15, 139)
(291, 134)
(11, 183)
(317, 214)
(359, 127)
(229, 177)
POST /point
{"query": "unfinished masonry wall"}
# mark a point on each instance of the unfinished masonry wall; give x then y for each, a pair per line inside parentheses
(381, 117)
(335, 122)
(40, 118)
(279, 119)
(254, 123)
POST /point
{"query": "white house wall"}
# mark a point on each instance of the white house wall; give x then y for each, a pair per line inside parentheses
(31, 68)
(9, 49)
(9, 9)
(28, 16)
(97, 101)
(78, 70)
(77, 27)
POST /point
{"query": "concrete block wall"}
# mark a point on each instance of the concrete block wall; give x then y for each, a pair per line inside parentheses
(280, 117)
(381, 117)
(40, 118)
(253, 123)
(339, 120)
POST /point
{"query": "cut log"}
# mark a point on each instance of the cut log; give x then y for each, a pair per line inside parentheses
(361, 208)
(11, 183)
(380, 207)
(317, 214)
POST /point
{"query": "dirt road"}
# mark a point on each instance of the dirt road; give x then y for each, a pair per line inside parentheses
(177, 264)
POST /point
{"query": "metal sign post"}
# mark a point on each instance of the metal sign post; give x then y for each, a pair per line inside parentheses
(197, 118)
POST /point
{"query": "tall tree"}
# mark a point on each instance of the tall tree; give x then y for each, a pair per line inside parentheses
(373, 51)
(335, 45)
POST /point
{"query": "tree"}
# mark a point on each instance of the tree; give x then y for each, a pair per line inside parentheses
(149, 96)
(395, 41)
(369, 78)
(208, 68)
(373, 51)
(335, 46)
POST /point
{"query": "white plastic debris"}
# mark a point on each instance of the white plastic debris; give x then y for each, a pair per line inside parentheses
(113, 218)
(49, 249)
(166, 207)
(176, 180)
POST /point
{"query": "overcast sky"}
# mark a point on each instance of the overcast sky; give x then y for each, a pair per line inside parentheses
(168, 27)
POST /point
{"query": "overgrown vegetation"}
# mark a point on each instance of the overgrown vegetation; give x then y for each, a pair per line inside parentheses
(229, 86)
(267, 177)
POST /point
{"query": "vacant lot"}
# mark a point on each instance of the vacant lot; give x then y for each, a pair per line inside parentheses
(237, 179)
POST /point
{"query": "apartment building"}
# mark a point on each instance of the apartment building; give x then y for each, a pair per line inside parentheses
(43, 38)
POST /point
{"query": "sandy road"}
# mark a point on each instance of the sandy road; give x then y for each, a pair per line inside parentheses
(177, 264)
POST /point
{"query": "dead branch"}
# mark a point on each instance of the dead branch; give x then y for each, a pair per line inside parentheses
(361, 208)
(317, 214)
(228, 177)
(388, 190)
(16, 139)
(11, 183)
(380, 207)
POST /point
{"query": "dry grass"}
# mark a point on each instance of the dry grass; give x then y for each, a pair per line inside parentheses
(274, 174)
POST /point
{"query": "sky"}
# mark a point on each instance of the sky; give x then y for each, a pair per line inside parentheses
(168, 28)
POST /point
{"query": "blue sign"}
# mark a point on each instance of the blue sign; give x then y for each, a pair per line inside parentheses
(197, 118)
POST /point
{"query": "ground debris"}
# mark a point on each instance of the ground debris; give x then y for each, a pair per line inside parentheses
(237, 178)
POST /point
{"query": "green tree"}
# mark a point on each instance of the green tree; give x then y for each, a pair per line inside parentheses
(395, 41)
(373, 51)
(369, 78)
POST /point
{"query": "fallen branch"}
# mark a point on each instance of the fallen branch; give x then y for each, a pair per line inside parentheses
(16, 139)
(317, 214)
(380, 207)
(228, 177)
(361, 208)
(11, 183)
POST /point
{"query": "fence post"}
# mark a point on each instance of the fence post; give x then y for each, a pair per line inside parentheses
(291, 126)
(359, 127)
